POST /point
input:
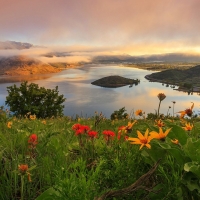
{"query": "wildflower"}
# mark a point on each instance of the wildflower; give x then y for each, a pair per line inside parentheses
(9, 124)
(142, 139)
(188, 127)
(173, 102)
(108, 134)
(159, 123)
(80, 129)
(175, 141)
(76, 127)
(32, 117)
(33, 140)
(92, 134)
(125, 129)
(161, 135)
(44, 122)
(23, 169)
(161, 96)
(138, 113)
(187, 112)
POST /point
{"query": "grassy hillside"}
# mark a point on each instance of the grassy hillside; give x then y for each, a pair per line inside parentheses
(96, 158)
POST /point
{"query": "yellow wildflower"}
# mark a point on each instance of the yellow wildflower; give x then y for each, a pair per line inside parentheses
(159, 123)
(161, 135)
(188, 127)
(175, 141)
(142, 139)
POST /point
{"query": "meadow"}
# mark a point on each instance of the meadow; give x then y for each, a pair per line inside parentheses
(136, 156)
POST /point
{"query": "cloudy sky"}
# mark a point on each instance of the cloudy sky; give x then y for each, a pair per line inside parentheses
(135, 27)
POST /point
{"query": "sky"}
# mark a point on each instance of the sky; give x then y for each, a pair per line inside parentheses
(134, 27)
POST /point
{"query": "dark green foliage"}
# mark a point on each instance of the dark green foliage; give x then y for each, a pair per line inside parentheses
(38, 100)
(119, 114)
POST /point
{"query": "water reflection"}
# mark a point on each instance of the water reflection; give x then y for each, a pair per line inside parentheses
(84, 99)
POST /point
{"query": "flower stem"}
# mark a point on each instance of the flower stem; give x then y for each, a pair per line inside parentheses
(22, 187)
(158, 108)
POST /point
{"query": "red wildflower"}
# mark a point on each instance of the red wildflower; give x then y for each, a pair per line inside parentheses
(33, 139)
(23, 168)
(80, 129)
(108, 134)
(76, 127)
(92, 134)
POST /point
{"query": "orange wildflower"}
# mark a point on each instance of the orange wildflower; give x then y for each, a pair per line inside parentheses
(125, 129)
(138, 112)
(142, 139)
(32, 117)
(187, 112)
(159, 123)
(188, 127)
(23, 169)
(175, 141)
(161, 135)
(9, 124)
(44, 122)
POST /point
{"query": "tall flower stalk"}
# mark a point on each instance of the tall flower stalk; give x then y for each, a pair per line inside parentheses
(161, 97)
(173, 107)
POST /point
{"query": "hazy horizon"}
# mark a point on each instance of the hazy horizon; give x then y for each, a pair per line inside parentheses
(87, 28)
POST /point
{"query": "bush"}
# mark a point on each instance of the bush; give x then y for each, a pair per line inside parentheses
(34, 99)
(119, 114)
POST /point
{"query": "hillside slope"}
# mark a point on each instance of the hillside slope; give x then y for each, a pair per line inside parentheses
(22, 65)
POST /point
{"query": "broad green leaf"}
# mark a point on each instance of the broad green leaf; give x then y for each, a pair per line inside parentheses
(192, 149)
(178, 133)
(49, 194)
(192, 167)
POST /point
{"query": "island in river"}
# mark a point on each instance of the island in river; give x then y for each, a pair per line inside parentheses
(115, 81)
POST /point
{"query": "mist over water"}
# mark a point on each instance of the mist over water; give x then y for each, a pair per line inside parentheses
(84, 99)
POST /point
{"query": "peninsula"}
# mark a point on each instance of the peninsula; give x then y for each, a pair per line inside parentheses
(188, 80)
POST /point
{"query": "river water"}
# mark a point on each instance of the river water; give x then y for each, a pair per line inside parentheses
(83, 98)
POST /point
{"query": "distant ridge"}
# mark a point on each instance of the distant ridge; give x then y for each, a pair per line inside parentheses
(23, 65)
(125, 58)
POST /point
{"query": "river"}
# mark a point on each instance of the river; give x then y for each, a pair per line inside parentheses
(84, 99)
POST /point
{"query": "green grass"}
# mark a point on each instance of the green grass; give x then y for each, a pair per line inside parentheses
(61, 168)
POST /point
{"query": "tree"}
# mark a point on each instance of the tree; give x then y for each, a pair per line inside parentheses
(37, 100)
(119, 114)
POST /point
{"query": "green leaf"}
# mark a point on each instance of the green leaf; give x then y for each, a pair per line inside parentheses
(178, 133)
(192, 149)
(49, 194)
(192, 167)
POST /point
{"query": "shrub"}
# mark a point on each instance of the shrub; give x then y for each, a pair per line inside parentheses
(34, 99)
(119, 114)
